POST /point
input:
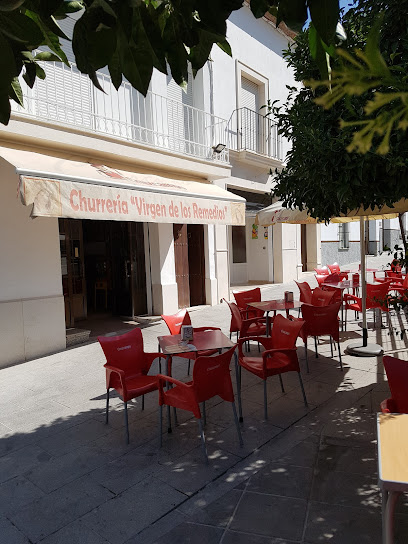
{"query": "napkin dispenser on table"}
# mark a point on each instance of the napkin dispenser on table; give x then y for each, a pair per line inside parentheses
(288, 296)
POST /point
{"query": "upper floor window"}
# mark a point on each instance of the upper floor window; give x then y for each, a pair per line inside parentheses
(344, 236)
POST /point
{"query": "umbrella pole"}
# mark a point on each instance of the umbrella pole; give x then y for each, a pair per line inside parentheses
(363, 349)
(363, 280)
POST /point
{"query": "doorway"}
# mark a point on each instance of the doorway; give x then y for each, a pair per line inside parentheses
(103, 269)
(189, 264)
(303, 246)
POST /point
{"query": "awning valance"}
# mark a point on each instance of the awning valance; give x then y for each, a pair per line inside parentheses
(63, 188)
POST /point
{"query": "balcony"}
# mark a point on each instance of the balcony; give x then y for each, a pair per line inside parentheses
(250, 131)
(67, 97)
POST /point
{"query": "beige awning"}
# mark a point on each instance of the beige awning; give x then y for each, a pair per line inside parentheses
(277, 213)
(59, 187)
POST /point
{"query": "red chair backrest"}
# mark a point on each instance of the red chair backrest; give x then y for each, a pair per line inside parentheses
(305, 292)
(236, 319)
(377, 295)
(334, 268)
(323, 271)
(285, 332)
(397, 374)
(320, 278)
(175, 321)
(322, 297)
(211, 377)
(243, 298)
(125, 351)
(332, 278)
(321, 320)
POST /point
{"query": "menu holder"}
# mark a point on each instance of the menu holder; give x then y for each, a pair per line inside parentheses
(180, 348)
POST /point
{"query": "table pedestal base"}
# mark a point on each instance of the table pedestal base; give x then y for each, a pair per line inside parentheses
(370, 350)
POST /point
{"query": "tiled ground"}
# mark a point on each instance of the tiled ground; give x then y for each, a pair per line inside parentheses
(303, 475)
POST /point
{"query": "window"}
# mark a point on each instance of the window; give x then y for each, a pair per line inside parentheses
(344, 235)
(250, 118)
(238, 245)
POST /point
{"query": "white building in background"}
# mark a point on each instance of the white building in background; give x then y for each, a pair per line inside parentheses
(110, 155)
(341, 242)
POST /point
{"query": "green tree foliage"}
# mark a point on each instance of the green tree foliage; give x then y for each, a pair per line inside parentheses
(321, 174)
(131, 37)
(378, 65)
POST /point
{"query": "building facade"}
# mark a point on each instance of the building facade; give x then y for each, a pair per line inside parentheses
(341, 242)
(210, 143)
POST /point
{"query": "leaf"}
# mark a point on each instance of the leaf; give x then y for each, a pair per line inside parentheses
(259, 7)
(225, 46)
(10, 5)
(293, 13)
(47, 56)
(325, 15)
(68, 7)
(7, 65)
(115, 70)
(5, 108)
(318, 53)
(16, 93)
(30, 74)
(49, 38)
(39, 71)
(21, 28)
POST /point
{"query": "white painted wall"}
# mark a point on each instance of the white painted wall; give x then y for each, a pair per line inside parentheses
(32, 318)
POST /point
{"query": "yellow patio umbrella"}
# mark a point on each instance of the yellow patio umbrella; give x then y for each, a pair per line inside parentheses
(277, 213)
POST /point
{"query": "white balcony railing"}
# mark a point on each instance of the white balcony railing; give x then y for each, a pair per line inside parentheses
(248, 130)
(68, 97)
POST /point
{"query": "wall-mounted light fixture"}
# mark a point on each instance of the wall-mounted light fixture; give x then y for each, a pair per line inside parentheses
(219, 148)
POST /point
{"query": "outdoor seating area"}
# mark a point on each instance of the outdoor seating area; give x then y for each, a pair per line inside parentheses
(268, 439)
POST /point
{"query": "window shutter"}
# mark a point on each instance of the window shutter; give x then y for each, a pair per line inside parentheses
(249, 94)
(179, 115)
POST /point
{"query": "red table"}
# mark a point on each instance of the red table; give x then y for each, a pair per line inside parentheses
(202, 341)
(274, 306)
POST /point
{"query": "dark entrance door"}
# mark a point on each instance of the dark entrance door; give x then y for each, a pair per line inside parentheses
(181, 264)
(72, 270)
(189, 264)
(138, 268)
(303, 246)
(103, 268)
(196, 264)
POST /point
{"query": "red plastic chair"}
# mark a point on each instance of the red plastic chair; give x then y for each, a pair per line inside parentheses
(321, 321)
(320, 278)
(400, 287)
(397, 374)
(127, 368)
(254, 326)
(323, 297)
(334, 268)
(323, 271)
(243, 298)
(306, 292)
(280, 355)
(211, 377)
(376, 299)
(174, 323)
(332, 278)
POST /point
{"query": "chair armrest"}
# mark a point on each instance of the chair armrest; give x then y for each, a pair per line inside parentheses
(162, 378)
(150, 357)
(269, 352)
(162, 381)
(347, 297)
(113, 369)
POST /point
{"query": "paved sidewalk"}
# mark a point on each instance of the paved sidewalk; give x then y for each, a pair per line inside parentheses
(303, 475)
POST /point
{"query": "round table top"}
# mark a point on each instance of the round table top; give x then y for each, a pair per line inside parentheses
(275, 305)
